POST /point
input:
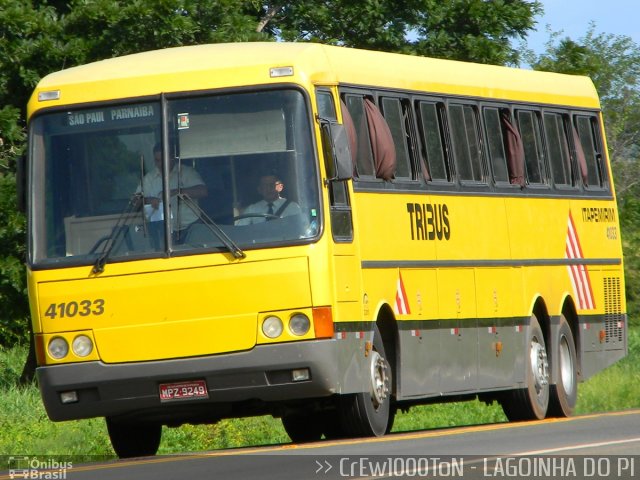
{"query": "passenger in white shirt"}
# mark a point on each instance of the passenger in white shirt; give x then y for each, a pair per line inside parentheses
(269, 187)
(191, 184)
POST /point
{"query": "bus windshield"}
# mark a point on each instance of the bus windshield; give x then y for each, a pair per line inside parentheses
(192, 174)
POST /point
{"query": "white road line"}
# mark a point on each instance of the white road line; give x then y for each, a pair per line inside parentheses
(576, 447)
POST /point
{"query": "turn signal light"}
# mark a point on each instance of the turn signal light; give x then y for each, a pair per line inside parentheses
(323, 322)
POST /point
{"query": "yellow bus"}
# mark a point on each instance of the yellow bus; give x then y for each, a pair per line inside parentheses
(322, 234)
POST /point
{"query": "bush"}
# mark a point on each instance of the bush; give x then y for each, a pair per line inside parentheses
(14, 307)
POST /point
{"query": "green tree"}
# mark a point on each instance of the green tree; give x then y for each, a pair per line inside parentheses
(472, 30)
(107, 28)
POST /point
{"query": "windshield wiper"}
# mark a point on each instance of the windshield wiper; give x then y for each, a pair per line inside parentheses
(235, 250)
(113, 239)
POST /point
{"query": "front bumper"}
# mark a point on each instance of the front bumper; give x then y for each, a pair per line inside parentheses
(261, 375)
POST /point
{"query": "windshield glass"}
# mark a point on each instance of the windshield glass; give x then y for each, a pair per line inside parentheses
(234, 172)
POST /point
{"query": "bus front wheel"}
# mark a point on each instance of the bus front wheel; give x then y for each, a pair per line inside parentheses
(369, 413)
(531, 402)
(303, 429)
(311, 427)
(131, 439)
(565, 391)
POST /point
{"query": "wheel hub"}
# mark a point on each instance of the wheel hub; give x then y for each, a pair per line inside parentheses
(566, 367)
(539, 365)
(379, 379)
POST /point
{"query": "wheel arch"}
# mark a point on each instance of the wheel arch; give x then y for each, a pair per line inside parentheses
(539, 309)
(571, 316)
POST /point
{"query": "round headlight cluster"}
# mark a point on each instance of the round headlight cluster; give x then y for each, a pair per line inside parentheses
(81, 346)
(58, 348)
(299, 325)
(272, 327)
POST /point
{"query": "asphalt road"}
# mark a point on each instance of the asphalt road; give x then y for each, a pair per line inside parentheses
(591, 446)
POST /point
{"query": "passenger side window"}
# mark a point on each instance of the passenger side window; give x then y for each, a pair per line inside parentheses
(326, 109)
(364, 156)
(463, 124)
(375, 146)
(589, 138)
(495, 145)
(433, 140)
(531, 138)
(394, 114)
(558, 149)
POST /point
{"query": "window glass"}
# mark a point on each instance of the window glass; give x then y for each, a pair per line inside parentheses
(326, 108)
(558, 149)
(588, 133)
(340, 207)
(466, 145)
(531, 140)
(364, 159)
(495, 143)
(393, 114)
(433, 140)
(224, 157)
(87, 165)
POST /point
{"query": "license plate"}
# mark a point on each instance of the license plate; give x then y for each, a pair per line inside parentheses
(183, 390)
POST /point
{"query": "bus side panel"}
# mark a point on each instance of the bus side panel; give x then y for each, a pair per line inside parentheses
(602, 329)
(472, 297)
(459, 338)
(420, 336)
(497, 291)
(602, 338)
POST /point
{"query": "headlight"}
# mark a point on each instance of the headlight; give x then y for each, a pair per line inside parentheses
(58, 348)
(272, 327)
(299, 324)
(82, 345)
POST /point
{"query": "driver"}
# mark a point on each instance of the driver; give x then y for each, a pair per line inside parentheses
(271, 206)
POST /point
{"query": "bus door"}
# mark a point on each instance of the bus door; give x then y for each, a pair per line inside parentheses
(345, 263)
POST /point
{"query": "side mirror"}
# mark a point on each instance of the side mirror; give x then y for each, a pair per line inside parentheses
(21, 183)
(342, 152)
(339, 162)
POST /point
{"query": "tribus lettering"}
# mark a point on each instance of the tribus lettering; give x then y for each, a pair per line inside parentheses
(429, 221)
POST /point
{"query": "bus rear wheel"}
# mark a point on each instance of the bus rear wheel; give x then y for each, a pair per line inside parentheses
(132, 439)
(369, 413)
(531, 402)
(565, 392)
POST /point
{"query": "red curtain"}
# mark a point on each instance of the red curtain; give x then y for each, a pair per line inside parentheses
(382, 147)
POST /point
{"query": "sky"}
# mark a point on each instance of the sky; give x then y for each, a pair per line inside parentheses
(619, 17)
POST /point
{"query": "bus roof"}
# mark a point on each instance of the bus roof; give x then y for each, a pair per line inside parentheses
(205, 67)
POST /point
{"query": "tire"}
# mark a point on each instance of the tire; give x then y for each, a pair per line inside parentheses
(564, 393)
(130, 439)
(303, 429)
(331, 426)
(368, 413)
(531, 402)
